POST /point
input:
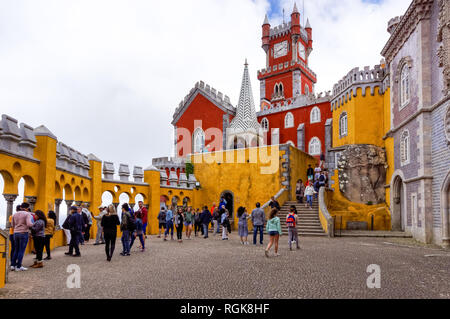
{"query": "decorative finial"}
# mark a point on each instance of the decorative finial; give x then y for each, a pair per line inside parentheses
(246, 64)
(295, 8)
(266, 20)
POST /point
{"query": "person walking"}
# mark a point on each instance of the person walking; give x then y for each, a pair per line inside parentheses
(162, 221)
(258, 220)
(274, 203)
(216, 221)
(188, 220)
(144, 216)
(309, 193)
(273, 228)
(99, 238)
(21, 223)
(140, 230)
(126, 226)
(75, 224)
(225, 222)
(317, 171)
(291, 223)
(205, 218)
(88, 226)
(310, 172)
(243, 225)
(38, 233)
(11, 237)
(49, 232)
(300, 191)
(197, 223)
(179, 218)
(169, 224)
(109, 224)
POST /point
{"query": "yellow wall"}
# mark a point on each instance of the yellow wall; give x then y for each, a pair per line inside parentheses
(299, 164)
(3, 241)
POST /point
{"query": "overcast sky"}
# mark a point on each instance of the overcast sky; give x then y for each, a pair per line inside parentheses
(105, 76)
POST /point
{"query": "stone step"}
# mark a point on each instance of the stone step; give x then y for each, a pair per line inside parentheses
(300, 234)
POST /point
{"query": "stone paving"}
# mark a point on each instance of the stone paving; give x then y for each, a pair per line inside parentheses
(212, 268)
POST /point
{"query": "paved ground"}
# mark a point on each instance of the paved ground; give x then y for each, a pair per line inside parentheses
(212, 268)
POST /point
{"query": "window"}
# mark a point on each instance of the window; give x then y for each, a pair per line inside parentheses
(343, 125)
(199, 140)
(290, 143)
(404, 86)
(289, 120)
(307, 91)
(315, 115)
(265, 124)
(314, 146)
(278, 91)
(404, 148)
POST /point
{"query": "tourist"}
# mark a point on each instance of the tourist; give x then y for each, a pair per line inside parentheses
(88, 226)
(322, 160)
(109, 224)
(144, 216)
(99, 238)
(126, 226)
(197, 223)
(274, 230)
(258, 219)
(317, 172)
(67, 231)
(322, 180)
(291, 223)
(140, 230)
(309, 193)
(274, 203)
(216, 221)
(310, 172)
(21, 223)
(188, 220)
(169, 224)
(205, 218)
(316, 187)
(85, 219)
(11, 236)
(75, 224)
(243, 225)
(38, 232)
(225, 222)
(162, 221)
(300, 191)
(179, 218)
(49, 232)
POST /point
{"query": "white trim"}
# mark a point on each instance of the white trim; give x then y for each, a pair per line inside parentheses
(289, 124)
(405, 148)
(265, 129)
(315, 110)
(405, 96)
(315, 153)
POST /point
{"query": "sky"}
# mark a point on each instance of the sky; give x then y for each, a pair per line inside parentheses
(105, 76)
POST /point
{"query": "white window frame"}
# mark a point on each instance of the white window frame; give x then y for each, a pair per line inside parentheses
(289, 120)
(315, 115)
(405, 148)
(265, 129)
(405, 86)
(318, 145)
(343, 129)
(307, 90)
(198, 131)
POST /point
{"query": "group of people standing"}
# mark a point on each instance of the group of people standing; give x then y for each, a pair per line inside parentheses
(317, 178)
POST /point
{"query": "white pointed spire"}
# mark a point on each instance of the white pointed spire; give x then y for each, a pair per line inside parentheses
(266, 20)
(245, 119)
(308, 26)
(295, 8)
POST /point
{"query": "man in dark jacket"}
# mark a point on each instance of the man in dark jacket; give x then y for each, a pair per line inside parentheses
(75, 225)
(205, 218)
(274, 203)
(310, 172)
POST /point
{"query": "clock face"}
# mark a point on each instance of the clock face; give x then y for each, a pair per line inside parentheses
(301, 51)
(280, 49)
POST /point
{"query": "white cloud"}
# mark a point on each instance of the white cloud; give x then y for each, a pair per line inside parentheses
(105, 76)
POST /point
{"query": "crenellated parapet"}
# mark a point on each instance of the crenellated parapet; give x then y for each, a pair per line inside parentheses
(123, 172)
(17, 139)
(72, 161)
(285, 29)
(288, 67)
(174, 179)
(348, 86)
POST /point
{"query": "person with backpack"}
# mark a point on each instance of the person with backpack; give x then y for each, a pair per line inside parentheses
(205, 218)
(140, 230)
(273, 228)
(75, 224)
(291, 223)
(49, 232)
(127, 226)
(169, 224)
(322, 180)
(258, 219)
(162, 221)
(179, 219)
(38, 232)
(89, 222)
(309, 193)
(109, 224)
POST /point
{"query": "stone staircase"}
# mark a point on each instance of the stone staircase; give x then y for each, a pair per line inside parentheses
(308, 222)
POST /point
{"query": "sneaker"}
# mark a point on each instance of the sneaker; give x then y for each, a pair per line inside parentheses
(122, 254)
(77, 255)
(21, 268)
(13, 268)
(127, 254)
(48, 258)
(96, 244)
(266, 252)
(277, 254)
(68, 254)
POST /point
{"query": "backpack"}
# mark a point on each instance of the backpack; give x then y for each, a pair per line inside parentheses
(163, 216)
(290, 221)
(131, 223)
(197, 218)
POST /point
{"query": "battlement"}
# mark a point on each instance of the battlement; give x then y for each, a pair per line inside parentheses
(217, 96)
(17, 139)
(393, 23)
(123, 172)
(169, 162)
(72, 161)
(362, 79)
(287, 66)
(284, 29)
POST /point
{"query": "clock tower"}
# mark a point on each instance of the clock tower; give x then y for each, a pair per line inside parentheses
(287, 75)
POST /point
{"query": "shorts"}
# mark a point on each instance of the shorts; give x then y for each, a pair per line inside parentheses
(273, 233)
(162, 225)
(187, 224)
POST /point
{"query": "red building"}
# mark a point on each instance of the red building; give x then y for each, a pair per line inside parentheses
(289, 110)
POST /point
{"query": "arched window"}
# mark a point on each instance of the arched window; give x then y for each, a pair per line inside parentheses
(199, 140)
(343, 125)
(314, 146)
(291, 143)
(404, 148)
(315, 115)
(289, 120)
(265, 124)
(307, 91)
(404, 86)
(281, 89)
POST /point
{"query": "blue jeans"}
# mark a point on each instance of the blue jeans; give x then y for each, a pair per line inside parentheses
(126, 241)
(11, 242)
(309, 200)
(144, 226)
(205, 230)
(20, 244)
(169, 226)
(261, 234)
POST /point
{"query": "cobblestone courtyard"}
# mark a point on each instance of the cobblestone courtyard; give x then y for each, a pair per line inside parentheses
(212, 268)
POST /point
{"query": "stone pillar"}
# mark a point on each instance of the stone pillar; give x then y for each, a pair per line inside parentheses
(116, 205)
(329, 156)
(301, 137)
(57, 206)
(10, 198)
(32, 201)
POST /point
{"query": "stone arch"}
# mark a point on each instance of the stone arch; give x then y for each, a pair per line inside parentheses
(77, 193)
(108, 198)
(144, 198)
(8, 180)
(86, 194)
(398, 201)
(229, 197)
(186, 201)
(68, 193)
(58, 190)
(163, 201)
(175, 201)
(445, 211)
(30, 186)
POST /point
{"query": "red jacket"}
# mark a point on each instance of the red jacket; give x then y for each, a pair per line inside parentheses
(144, 215)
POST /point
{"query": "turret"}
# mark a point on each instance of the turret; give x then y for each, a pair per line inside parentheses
(295, 22)
(309, 32)
(266, 34)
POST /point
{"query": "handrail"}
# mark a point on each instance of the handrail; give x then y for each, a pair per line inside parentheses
(325, 218)
(278, 195)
